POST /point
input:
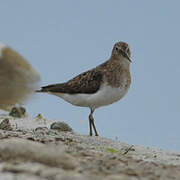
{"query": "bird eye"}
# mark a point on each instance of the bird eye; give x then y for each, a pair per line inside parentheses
(116, 49)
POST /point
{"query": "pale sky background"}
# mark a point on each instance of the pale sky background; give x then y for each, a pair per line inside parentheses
(62, 38)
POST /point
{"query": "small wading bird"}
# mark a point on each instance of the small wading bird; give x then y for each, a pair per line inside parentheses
(100, 86)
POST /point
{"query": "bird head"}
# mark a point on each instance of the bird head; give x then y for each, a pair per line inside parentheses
(121, 49)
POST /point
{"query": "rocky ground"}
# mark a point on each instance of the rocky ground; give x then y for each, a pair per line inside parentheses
(40, 149)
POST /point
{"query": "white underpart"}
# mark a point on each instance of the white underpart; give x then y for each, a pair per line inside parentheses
(1, 47)
(104, 96)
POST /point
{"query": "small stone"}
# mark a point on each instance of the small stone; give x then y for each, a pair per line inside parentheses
(61, 126)
(18, 112)
(5, 125)
(41, 129)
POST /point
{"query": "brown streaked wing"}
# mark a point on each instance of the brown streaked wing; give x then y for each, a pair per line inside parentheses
(88, 82)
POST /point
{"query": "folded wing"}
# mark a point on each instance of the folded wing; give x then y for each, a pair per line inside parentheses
(88, 82)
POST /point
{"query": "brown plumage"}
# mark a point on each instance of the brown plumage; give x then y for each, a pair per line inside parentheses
(87, 82)
(90, 81)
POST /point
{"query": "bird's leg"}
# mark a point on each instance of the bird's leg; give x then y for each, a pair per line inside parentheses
(91, 124)
(94, 127)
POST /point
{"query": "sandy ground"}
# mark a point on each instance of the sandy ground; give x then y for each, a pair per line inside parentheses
(38, 148)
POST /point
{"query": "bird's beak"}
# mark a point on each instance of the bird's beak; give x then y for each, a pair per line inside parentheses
(125, 55)
(128, 57)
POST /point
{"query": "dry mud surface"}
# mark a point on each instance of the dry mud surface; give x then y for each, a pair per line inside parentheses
(34, 149)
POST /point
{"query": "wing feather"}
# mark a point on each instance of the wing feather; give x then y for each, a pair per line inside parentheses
(88, 82)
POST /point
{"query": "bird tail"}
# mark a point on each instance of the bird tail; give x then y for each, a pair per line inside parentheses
(39, 91)
(46, 88)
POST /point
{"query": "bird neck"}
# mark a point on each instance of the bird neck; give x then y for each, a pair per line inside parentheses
(120, 61)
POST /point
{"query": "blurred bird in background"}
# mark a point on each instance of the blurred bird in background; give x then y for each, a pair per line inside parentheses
(18, 79)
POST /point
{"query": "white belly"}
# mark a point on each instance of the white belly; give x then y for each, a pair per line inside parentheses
(104, 96)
